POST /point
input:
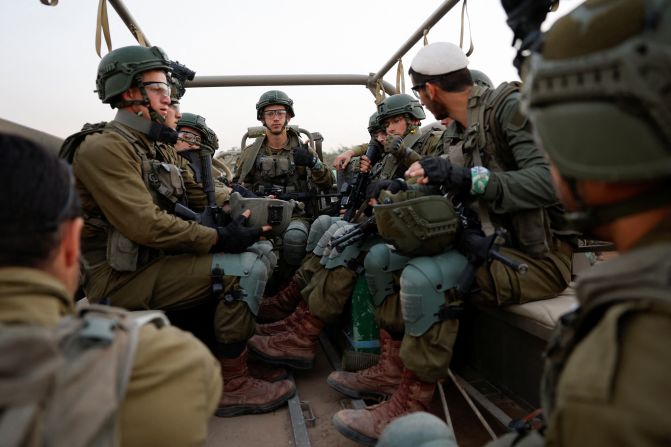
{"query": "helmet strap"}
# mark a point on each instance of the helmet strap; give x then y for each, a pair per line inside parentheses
(594, 216)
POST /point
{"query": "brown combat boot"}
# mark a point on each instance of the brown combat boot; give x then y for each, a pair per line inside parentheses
(379, 380)
(244, 394)
(296, 348)
(280, 305)
(283, 325)
(263, 371)
(365, 426)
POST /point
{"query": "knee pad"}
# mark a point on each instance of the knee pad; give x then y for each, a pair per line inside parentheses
(265, 250)
(294, 241)
(423, 285)
(333, 258)
(380, 263)
(252, 270)
(320, 225)
(323, 244)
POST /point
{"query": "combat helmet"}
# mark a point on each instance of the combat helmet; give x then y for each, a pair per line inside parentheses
(400, 104)
(599, 95)
(274, 97)
(416, 224)
(121, 68)
(480, 78)
(419, 429)
(198, 122)
(374, 124)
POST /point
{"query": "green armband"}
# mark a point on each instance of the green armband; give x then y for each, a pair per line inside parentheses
(479, 180)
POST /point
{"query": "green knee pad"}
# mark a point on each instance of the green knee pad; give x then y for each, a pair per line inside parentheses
(423, 285)
(323, 243)
(294, 242)
(252, 270)
(265, 250)
(320, 225)
(380, 263)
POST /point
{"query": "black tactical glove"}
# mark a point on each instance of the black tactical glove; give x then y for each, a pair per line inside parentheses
(394, 145)
(303, 157)
(235, 237)
(441, 171)
(393, 186)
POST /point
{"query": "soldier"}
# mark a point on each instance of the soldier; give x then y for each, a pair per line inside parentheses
(141, 256)
(598, 112)
(282, 304)
(330, 285)
(606, 376)
(376, 132)
(493, 166)
(39, 272)
(193, 134)
(280, 159)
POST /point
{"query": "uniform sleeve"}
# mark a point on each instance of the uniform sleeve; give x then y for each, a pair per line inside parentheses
(615, 387)
(530, 186)
(110, 170)
(174, 388)
(322, 176)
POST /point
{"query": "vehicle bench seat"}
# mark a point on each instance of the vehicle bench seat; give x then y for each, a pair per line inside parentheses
(540, 317)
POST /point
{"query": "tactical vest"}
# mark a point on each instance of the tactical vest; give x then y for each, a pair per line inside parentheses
(276, 172)
(423, 145)
(163, 180)
(640, 279)
(64, 385)
(484, 144)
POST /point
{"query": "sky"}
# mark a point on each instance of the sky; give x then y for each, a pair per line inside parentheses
(48, 60)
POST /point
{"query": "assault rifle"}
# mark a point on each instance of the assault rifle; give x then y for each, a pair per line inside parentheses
(353, 195)
(279, 192)
(354, 234)
(212, 216)
(480, 249)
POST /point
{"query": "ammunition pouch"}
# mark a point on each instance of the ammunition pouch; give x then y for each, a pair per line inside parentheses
(422, 226)
(294, 242)
(271, 166)
(273, 212)
(165, 179)
(122, 253)
(424, 283)
(380, 263)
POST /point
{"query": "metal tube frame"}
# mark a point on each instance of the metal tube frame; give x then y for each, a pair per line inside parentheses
(369, 81)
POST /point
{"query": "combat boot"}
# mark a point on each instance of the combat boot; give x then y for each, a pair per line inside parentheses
(263, 371)
(283, 325)
(296, 348)
(379, 380)
(280, 305)
(365, 426)
(244, 394)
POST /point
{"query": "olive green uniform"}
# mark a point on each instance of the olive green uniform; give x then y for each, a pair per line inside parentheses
(510, 193)
(262, 167)
(170, 365)
(329, 290)
(174, 268)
